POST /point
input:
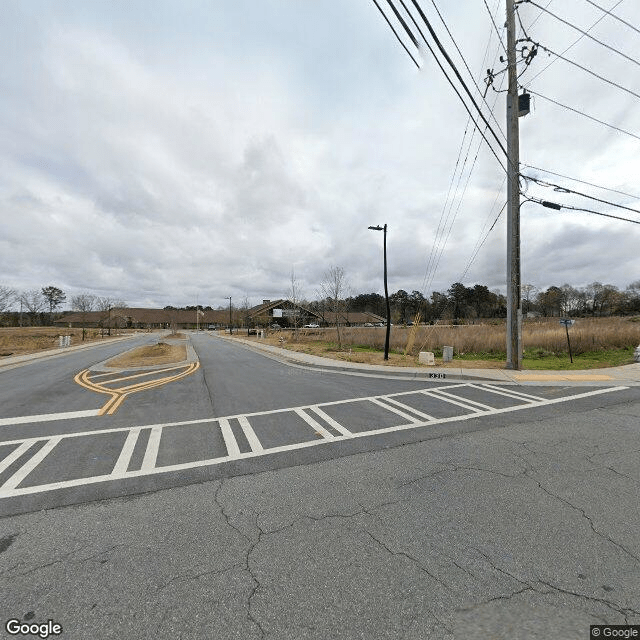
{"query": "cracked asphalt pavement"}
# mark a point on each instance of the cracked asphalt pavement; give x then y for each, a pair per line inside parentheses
(517, 530)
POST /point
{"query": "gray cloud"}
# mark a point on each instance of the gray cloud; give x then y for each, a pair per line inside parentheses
(205, 152)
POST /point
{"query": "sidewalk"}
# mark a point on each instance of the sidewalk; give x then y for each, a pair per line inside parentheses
(628, 375)
(52, 353)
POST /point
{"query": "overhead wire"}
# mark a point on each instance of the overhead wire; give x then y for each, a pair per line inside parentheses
(573, 44)
(493, 22)
(582, 113)
(556, 206)
(464, 104)
(456, 72)
(562, 189)
(593, 73)
(590, 184)
(440, 240)
(539, 15)
(613, 15)
(584, 33)
(455, 44)
(395, 33)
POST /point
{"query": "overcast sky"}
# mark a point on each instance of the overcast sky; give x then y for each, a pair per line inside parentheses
(166, 152)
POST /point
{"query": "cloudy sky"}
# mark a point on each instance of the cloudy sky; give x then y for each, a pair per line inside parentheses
(164, 152)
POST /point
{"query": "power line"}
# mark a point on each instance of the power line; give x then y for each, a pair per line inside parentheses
(403, 23)
(593, 73)
(493, 22)
(584, 33)
(539, 15)
(440, 240)
(591, 184)
(554, 205)
(573, 44)
(457, 73)
(611, 126)
(396, 34)
(613, 15)
(557, 187)
(464, 104)
(455, 44)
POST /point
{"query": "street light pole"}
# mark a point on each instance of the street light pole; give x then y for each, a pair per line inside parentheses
(386, 290)
(230, 327)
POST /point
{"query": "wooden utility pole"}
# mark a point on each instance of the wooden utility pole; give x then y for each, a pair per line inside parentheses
(514, 308)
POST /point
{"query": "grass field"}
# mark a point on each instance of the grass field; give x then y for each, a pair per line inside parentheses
(22, 340)
(149, 355)
(595, 343)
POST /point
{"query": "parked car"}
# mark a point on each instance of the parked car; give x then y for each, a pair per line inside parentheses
(368, 324)
(275, 326)
(311, 326)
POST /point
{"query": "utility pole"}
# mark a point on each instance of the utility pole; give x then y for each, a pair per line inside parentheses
(514, 308)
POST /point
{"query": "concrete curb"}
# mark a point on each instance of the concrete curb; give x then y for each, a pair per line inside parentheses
(624, 375)
(16, 361)
(192, 357)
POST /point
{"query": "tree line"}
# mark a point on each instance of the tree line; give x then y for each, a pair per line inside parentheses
(477, 301)
(40, 307)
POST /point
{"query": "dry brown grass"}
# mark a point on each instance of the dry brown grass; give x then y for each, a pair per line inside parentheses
(176, 336)
(588, 334)
(150, 355)
(23, 340)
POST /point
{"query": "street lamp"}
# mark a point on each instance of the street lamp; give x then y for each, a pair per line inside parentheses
(230, 327)
(386, 290)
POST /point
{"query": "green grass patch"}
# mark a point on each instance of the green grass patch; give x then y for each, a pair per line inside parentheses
(541, 359)
(485, 355)
(587, 360)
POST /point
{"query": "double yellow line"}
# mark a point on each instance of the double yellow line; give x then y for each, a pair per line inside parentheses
(119, 394)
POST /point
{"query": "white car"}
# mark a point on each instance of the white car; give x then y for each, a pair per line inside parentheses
(311, 326)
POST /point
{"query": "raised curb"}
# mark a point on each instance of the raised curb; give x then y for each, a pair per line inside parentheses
(192, 357)
(52, 353)
(625, 375)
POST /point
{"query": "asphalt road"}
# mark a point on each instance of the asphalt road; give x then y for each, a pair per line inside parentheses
(292, 503)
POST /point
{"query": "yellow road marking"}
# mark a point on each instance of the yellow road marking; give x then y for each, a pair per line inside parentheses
(136, 375)
(119, 394)
(562, 377)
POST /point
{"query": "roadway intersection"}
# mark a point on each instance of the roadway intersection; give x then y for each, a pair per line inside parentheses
(72, 430)
(254, 499)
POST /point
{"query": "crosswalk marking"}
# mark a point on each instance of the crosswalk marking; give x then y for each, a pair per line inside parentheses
(330, 421)
(401, 405)
(151, 454)
(250, 434)
(399, 412)
(16, 454)
(316, 425)
(30, 465)
(450, 400)
(11, 487)
(485, 407)
(233, 451)
(518, 395)
(124, 458)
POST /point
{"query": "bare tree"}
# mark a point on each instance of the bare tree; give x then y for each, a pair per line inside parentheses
(7, 298)
(105, 305)
(83, 303)
(244, 308)
(295, 297)
(334, 288)
(34, 302)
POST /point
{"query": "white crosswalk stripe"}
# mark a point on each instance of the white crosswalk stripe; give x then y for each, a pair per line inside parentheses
(231, 448)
